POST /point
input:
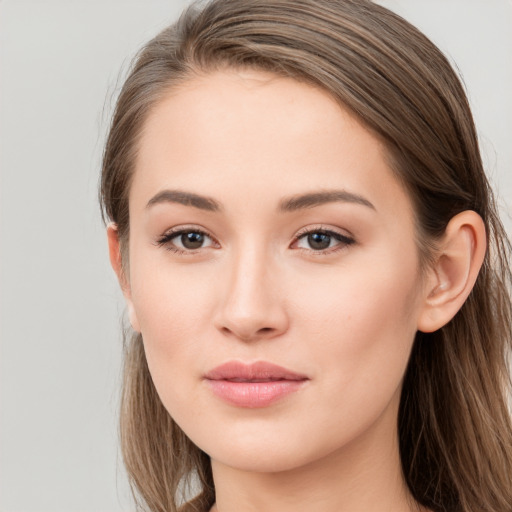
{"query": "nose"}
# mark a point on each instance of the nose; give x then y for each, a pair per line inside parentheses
(253, 302)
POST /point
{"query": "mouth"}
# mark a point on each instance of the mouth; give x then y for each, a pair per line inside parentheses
(253, 385)
(254, 380)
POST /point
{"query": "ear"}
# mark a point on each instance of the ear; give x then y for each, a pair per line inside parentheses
(116, 261)
(453, 275)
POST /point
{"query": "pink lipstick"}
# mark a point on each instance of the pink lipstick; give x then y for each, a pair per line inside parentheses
(253, 385)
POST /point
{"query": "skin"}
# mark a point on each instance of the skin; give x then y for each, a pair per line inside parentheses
(256, 290)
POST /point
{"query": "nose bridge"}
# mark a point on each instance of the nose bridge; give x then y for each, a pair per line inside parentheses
(253, 303)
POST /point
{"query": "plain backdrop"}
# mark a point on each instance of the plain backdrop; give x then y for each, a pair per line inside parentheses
(61, 66)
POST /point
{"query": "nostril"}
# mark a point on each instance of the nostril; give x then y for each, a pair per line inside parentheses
(248, 335)
(249, 317)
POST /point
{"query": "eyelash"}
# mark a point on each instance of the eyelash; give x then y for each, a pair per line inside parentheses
(344, 240)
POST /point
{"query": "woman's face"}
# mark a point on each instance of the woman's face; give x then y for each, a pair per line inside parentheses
(266, 227)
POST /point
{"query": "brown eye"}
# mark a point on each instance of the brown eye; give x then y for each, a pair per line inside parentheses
(192, 240)
(185, 240)
(321, 240)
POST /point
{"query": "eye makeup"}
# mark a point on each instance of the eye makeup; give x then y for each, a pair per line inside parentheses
(190, 240)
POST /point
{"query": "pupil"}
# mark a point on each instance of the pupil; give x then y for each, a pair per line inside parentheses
(192, 240)
(319, 240)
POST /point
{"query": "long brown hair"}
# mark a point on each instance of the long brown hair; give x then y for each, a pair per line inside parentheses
(454, 424)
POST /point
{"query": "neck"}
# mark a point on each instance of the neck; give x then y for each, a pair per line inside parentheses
(363, 476)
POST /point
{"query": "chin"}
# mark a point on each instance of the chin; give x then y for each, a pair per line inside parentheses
(257, 462)
(259, 454)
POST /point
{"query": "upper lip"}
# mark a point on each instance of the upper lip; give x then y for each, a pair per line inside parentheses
(261, 371)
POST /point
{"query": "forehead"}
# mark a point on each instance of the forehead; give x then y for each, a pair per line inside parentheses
(240, 134)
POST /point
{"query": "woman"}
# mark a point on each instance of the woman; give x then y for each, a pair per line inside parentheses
(315, 273)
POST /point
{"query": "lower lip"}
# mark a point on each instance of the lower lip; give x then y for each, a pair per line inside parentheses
(254, 394)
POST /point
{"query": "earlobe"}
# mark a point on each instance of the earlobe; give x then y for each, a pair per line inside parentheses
(116, 261)
(134, 322)
(114, 250)
(453, 275)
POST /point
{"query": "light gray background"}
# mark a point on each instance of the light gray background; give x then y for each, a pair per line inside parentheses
(60, 63)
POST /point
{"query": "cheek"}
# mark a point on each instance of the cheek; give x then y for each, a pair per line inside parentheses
(172, 308)
(363, 324)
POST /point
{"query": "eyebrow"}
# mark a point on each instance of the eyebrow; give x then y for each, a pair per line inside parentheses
(312, 199)
(291, 204)
(187, 199)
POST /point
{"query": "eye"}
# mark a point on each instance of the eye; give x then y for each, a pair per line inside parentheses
(322, 240)
(185, 240)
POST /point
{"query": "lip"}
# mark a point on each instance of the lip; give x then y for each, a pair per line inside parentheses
(258, 384)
